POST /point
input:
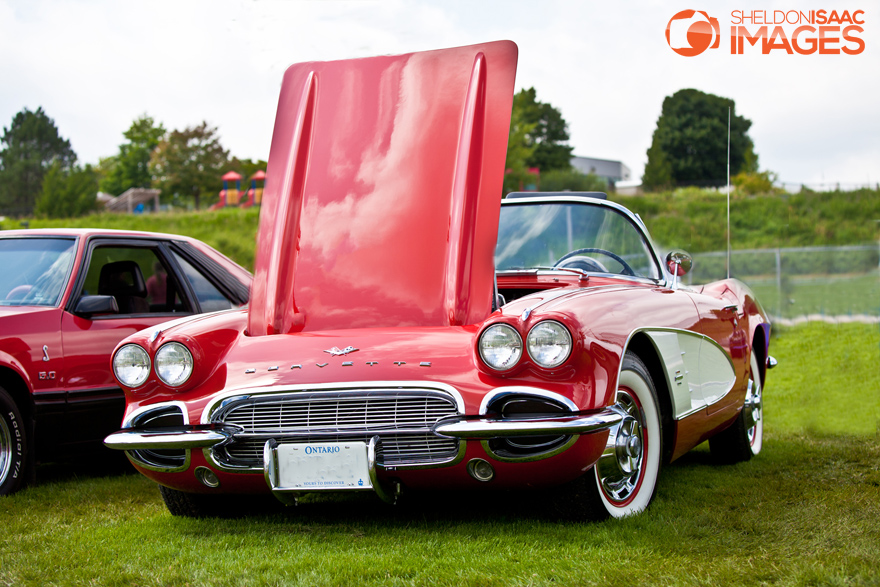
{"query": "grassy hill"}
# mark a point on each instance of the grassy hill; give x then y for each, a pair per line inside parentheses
(689, 218)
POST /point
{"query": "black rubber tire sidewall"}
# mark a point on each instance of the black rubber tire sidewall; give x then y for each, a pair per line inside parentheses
(17, 472)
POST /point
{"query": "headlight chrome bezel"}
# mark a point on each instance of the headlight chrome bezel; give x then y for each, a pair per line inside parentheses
(184, 358)
(516, 347)
(145, 364)
(565, 340)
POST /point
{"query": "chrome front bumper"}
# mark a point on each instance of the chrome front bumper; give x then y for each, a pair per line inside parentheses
(206, 436)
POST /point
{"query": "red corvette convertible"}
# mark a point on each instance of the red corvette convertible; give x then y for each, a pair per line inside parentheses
(410, 330)
(67, 297)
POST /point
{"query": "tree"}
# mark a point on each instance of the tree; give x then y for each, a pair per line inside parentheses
(548, 134)
(131, 167)
(67, 193)
(689, 146)
(519, 150)
(32, 146)
(189, 162)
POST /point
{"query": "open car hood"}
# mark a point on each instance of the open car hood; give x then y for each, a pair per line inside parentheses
(382, 192)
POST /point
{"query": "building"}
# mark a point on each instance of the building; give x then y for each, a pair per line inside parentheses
(610, 171)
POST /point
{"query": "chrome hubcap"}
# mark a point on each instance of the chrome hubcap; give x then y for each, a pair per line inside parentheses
(620, 466)
(755, 404)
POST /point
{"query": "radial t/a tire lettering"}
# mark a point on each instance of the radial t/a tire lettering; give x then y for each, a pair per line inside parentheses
(13, 445)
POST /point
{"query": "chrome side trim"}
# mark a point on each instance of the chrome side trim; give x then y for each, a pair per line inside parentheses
(500, 392)
(688, 385)
(487, 428)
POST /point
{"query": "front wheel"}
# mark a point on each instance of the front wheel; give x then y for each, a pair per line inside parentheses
(624, 480)
(13, 445)
(745, 437)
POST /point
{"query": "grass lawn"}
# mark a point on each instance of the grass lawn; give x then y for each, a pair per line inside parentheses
(804, 512)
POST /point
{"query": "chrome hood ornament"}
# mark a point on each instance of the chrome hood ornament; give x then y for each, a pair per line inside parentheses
(336, 352)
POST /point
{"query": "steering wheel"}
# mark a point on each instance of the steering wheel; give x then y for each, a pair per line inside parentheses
(627, 270)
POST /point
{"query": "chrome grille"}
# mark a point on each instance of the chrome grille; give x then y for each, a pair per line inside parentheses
(402, 419)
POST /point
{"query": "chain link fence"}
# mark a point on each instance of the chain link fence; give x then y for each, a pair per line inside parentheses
(835, 284)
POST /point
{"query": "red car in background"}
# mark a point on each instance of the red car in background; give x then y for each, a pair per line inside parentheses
(67, 297)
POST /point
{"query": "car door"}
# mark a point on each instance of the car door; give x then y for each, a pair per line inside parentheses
(719, 320)
(146, 285)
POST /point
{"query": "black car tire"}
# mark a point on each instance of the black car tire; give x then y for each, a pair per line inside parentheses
(741, 441)
(623, 483)
(13, 446)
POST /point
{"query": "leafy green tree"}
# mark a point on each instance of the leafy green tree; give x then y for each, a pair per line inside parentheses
(130, 168)
(558, 180)
(519, 150)
(32, 146)
(189, 163)
(548, 135)
(690, 142)
(246, 167)
(67, 193)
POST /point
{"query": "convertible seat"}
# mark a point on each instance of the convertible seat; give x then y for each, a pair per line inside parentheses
(124, 281)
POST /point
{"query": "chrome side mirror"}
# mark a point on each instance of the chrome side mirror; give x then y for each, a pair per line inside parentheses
(678, 263)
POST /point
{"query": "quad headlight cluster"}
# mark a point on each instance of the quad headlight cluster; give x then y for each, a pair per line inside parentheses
(173, 364)
(548, 344)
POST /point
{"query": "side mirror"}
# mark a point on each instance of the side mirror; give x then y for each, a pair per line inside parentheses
(678, 263)
(88, 306)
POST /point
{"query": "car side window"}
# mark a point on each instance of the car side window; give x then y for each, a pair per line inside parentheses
(210, 298)
(136, 277)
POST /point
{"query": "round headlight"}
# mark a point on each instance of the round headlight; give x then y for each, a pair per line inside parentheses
(174, 364)
(549, 343)
(131, 365)
(500, 347)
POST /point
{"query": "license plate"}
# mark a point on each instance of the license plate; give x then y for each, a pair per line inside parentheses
(323, 466)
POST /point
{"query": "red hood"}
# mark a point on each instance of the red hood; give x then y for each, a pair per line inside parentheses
(382, 192)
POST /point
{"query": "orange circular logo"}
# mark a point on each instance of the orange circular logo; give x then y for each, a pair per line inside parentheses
(690, 32)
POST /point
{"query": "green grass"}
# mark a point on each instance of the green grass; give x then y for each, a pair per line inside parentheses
(826, 295)
(804, 512)
(231, 231)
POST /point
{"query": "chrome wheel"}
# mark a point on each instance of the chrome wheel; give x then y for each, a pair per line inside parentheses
(13, 445)
(753, 409)
(745, 436)
(620, 469)
(626, 473)
(5, 449)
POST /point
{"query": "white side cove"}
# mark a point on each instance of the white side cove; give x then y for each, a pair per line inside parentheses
(698, 371)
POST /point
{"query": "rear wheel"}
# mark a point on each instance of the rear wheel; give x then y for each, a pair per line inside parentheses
(13, 445)
(745, 437)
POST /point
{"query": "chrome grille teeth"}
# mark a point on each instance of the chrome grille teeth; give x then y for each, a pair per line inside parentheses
(402, 419)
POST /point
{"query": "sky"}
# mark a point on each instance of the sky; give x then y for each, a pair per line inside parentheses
(94, 66)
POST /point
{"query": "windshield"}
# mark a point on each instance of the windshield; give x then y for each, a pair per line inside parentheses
(34, 270)
(571, 235)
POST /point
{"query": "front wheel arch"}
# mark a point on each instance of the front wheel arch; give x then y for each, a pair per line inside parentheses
(644, 349)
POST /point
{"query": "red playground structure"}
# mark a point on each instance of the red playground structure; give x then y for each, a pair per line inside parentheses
(234, 196)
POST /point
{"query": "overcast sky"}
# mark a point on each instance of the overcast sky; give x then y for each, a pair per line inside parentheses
(96, 65)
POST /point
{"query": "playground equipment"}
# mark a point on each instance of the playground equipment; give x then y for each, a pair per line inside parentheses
(234, 196)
